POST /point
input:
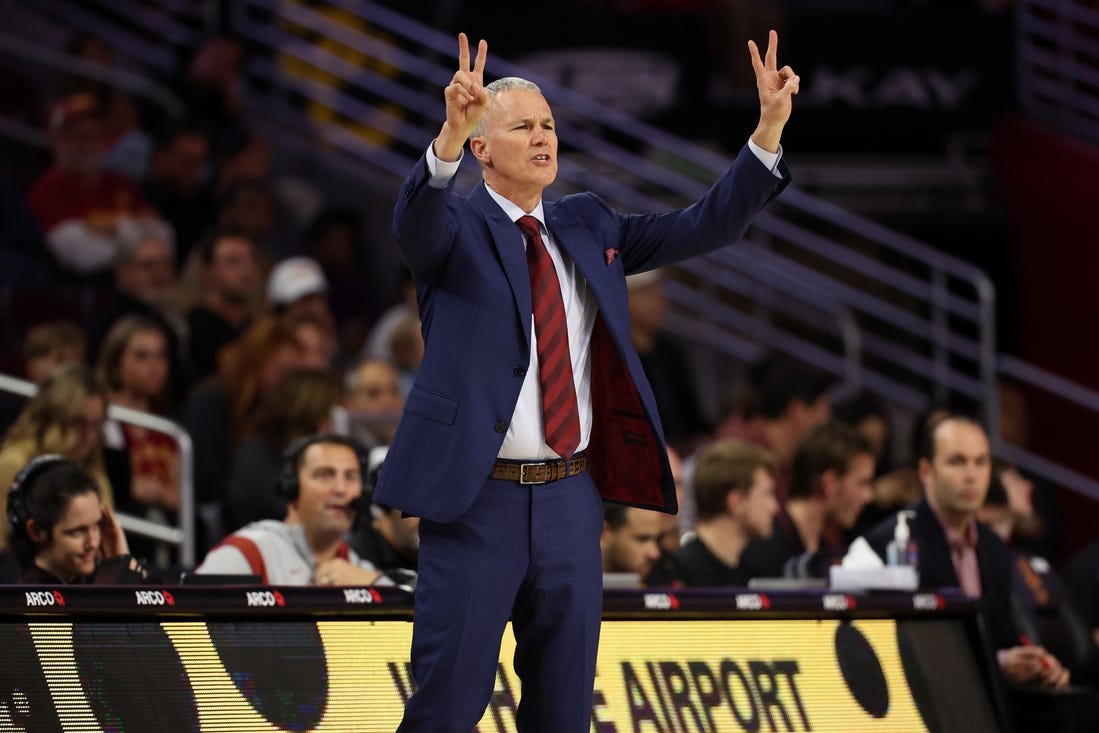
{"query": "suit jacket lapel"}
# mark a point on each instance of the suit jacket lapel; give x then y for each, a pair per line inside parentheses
(935, 564)
(506, 238)
(571, 235)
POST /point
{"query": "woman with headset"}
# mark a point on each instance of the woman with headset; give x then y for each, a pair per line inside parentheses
(60, 531)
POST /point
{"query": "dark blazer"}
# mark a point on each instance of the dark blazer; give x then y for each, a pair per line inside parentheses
(469, 266)
(936, 568)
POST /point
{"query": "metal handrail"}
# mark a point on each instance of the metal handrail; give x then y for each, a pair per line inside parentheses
(127, 81)
(182, 536)
(1056, 86)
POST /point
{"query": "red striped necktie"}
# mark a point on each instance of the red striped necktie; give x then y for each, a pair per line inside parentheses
(560, 415)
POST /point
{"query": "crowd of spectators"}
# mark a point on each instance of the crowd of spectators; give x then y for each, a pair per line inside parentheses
(166, 271)
(163, 265)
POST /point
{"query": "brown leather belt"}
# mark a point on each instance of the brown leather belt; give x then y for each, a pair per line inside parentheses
(539, 472)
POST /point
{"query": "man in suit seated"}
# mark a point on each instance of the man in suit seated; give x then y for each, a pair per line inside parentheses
(958, 551)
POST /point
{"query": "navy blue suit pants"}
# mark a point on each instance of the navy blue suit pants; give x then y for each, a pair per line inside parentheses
(528, 553)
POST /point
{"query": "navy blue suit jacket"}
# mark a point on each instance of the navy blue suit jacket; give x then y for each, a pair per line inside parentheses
(469, 265)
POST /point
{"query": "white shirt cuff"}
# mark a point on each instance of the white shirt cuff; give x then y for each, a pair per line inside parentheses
(441, 170)
(768, 159)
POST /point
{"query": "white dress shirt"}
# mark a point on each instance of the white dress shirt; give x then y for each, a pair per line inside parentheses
(526, 439)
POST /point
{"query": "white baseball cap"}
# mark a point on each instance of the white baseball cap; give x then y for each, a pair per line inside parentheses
(295, 278)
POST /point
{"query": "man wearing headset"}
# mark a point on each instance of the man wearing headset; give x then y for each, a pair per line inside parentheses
(322, 482)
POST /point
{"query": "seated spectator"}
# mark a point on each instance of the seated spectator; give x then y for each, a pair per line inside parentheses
(830, 483)
(298, 291)
(374, 401)
(789, 399)
(868, 414)
(145, 285)
(317, 341)
(735, 503)
(334, 239)
(66, 417)
(407, 344)
(378, 343)
(297, 286)
(231, 285)
(274, 207)
(957, 551)
(674, 528)
(210, 83)
(143, 464)
(60, 532)
(389, 540)
(217, 414)
(176, 184)
(322, 484)
(249, 204)
(300, 404)
(78, 204)
(901, 487)
(664, 362)
(1045, 611)
(45, 347)
(630, 541)
(127, 144)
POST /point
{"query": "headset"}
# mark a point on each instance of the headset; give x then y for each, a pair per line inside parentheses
(32, 470)
(287, 485)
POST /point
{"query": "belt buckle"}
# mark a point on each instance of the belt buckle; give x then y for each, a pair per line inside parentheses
(523, 474)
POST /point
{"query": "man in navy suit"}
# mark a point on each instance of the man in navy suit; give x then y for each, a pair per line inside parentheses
(509, 525)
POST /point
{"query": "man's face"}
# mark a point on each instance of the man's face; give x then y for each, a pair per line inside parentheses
(79, 146)
(329, 483)
(634, 547)
(759, 505)
(234, 269)
(956, 479)
(852, 491)
(377, 390)
(73, 546)
(519, 149)
(149, 275)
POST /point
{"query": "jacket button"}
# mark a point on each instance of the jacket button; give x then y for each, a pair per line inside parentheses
(501, 427)
(520, 371)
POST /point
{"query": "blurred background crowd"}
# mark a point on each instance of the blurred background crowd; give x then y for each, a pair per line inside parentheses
(196, 265)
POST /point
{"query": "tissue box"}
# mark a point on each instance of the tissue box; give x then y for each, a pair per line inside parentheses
(891, 577)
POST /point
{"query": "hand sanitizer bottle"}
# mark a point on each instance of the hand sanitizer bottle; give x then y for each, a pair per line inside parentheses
(902, 550)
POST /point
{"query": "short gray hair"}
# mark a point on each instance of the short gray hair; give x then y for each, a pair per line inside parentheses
(505, 84)
(132, 233)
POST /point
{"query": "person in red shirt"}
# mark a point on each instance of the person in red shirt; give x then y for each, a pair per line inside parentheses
(78, 204)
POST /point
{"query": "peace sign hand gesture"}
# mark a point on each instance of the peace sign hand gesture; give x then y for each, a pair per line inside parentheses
(466, 101)
(776, 87)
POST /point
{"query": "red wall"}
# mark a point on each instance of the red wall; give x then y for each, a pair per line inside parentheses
(1049, 186)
